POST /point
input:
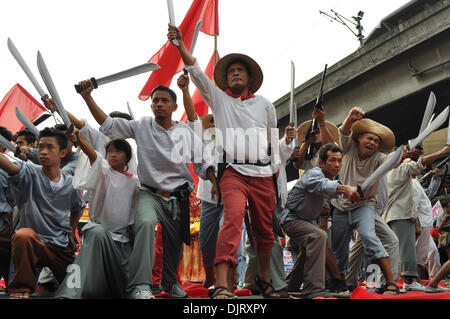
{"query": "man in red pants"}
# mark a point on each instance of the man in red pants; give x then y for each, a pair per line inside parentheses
(248, 123)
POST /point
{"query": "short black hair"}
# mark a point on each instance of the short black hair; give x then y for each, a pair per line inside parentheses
(332, 147)
(29, 137)
(6, 133)
(61, 127)
(121, 145)
(62, 138)
(445, 202)
(173, 95)
(125, 116)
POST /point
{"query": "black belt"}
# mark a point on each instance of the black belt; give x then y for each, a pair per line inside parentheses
(222, 166)
(182, 196)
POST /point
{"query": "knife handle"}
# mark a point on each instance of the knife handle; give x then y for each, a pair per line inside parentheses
(360, 192)
(79, 89)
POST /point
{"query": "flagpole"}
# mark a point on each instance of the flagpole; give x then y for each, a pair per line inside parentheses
(215, 49)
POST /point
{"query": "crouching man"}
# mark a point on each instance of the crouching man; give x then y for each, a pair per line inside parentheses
(44, 236)
(301, 218)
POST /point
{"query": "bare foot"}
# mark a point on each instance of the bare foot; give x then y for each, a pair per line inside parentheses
(19, 295)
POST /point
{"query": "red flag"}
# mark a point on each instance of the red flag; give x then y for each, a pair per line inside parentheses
(18, 97)
(201, 108)
(168, 57)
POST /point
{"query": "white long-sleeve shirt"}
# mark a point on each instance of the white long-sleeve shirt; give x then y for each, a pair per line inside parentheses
(243, 128)
(113, 196)
(163, 155)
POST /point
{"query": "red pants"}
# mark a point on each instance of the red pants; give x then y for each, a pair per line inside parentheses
(28, 252)
(236, 190)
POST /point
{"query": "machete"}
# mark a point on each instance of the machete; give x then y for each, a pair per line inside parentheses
(393, 159)
(15, 53)
(130, 111)
(146, 67)
(25, 121)
(9, 146)
(437, 122)
(292, 105)
(194, 40)
(172, 20)
(52, 90)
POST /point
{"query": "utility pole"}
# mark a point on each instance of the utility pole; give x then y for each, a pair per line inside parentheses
(342, 20)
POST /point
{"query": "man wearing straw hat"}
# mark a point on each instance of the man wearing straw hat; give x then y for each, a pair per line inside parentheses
(327, 133)
(248, 175)
(363, 142)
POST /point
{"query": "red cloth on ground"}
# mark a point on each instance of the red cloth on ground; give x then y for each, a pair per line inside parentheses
(196, 290)
(361, 293)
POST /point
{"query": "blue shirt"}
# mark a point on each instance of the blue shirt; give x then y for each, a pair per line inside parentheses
(306, 199)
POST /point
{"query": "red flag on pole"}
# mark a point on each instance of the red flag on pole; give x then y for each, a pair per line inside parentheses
(18, 97)
(201, 108)
(168, 57)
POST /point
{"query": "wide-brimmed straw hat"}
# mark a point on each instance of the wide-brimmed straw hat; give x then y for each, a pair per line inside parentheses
(387, 137)
(304, 128)
(255, 72)
(206, 120)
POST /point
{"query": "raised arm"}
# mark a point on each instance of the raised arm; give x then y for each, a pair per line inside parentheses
(326, 136)
(426, 160)
(96, 111)
(355, 114)
(189, 108)
(85, 146)
(186, 56)
(51, 106)
(8, 166)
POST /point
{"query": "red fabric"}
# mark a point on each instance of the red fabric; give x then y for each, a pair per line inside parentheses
(196, 290)
(201, 108)
(361, 293)
(168, 57)
(249, 96)
(435, 233)
(18, 97)
(158, 264)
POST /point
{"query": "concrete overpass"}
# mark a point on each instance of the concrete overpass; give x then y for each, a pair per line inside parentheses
(390, 76)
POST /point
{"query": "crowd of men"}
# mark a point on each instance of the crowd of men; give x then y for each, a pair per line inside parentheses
(240, 159)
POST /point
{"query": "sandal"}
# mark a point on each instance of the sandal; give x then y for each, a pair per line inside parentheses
(221, 291)
(283, 293)
(20, 295)
(266, 288)
(392, 292)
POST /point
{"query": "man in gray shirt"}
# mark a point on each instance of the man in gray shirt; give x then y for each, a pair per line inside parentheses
(44, 236)
(164, 174)
(300, 218)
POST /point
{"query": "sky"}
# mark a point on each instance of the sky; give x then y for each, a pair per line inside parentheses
(94, 38)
